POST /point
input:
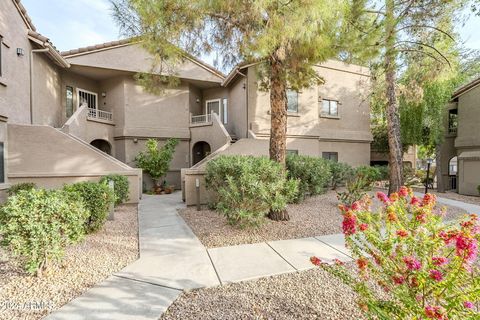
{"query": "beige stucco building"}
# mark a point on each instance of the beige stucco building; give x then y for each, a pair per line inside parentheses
(81, 114)
(460, 152)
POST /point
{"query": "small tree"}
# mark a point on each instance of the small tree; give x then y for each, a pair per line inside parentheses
(155, 161)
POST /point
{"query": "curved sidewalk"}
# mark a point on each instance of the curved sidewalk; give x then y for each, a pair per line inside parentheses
(172, 259)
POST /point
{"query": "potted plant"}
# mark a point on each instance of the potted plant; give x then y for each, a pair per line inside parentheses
(156, 161)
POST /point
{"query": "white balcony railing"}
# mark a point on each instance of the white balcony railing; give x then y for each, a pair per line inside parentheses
(201, 119)
(94, 113)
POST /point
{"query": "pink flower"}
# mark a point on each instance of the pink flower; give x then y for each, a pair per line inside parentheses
(439, 261)
(338, 262)
(393, 197)
(466, 248)
(468, 305)
(403, 191)
(429, 200)
(415, 201)
(436, 275)
(363, 226)
(355, 206)
(383, 197)
(348, 224)
(412, 263)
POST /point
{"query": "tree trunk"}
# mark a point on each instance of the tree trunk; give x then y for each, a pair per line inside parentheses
(393, 119)
(438, 168)
(279, 215)
(278, 108)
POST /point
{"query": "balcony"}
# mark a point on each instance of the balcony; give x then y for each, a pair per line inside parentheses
(202, 119)
(102, 115)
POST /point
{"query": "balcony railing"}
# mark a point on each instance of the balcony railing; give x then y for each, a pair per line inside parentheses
(201, 119)
(94, 113)
(452, 130)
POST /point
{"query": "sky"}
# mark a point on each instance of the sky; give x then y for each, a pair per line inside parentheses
(80, 23)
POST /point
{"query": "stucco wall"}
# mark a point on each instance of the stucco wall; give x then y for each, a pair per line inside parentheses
(59, 157)
(237, 108)
(468, 134)
(15, 79)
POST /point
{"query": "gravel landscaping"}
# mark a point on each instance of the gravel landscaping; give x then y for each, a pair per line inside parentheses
(315, 216)
(85, 264)
(312, 294)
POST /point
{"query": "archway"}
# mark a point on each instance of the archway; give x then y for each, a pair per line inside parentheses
(200, 150)
(102, 145)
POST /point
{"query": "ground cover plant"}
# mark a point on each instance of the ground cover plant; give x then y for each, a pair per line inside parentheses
(427, 268)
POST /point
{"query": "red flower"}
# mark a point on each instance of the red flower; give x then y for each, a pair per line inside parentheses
(363, 226)
(429, 200)
(403, 191)
(398, 279)
(348, 224)
(436, 275)
(362, 263)
(466, 248)
(315, 261)
(402, 233)
(415, 201)
(412, 263)
(338, 262)
(435, 312)
(439, 261)
(414, 282)
(355, 206)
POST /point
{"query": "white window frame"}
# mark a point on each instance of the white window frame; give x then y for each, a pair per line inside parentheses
(225, 110)
(89, 92)
(219, 106)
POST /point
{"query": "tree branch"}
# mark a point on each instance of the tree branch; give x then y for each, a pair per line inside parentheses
(428, 46)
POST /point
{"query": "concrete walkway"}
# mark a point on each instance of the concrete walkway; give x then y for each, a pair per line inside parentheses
(470, 208)
(172, 259)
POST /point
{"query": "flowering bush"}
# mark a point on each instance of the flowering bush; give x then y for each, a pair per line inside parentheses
(428, 269)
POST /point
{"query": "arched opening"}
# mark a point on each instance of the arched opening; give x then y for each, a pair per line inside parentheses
(200, 150)
(452, 173)
(102, 145)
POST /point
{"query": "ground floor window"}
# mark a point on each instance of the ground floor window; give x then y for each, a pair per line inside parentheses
(330, 156)
(292, 151)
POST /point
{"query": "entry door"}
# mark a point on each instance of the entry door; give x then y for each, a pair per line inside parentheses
(213, 106)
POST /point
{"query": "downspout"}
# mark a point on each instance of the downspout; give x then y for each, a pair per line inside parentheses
(31, 79)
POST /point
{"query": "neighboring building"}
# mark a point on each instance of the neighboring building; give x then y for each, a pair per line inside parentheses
(85, 100)
(460, 153)
(410, 158)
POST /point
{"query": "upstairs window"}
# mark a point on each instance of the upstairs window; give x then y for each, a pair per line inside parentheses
(330, 156)
(452, 121)
(292, 101)
(329, 108)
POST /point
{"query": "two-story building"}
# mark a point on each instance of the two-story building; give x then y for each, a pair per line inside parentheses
(81, 114)
(460, 152)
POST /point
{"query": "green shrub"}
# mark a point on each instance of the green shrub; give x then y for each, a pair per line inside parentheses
(97, 198)
(37, 225)
(341, 173)
(247, 188)
(359, 184)
(313, 174)
(13, 190)
(384, 172)
(121, 187)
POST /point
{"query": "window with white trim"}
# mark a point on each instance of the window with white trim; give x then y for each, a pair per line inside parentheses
(225, 110)
(329, 107)
(292, 101)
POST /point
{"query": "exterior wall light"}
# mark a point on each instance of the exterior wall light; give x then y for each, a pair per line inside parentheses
(20, 52)
(104, 94)
(198, 100)
(135, 140)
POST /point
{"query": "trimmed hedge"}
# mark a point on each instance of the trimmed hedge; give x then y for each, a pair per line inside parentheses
(16, 188)
(121, 187)
(313, 174)
(247, 188)
(97, 198)
(37, 225)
